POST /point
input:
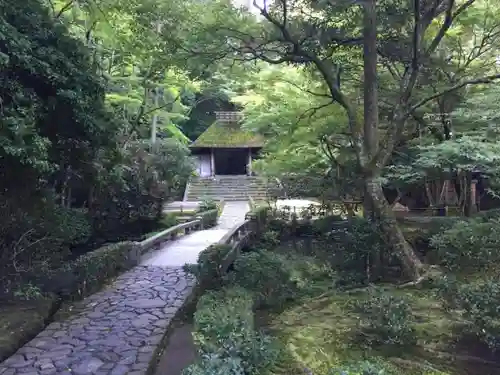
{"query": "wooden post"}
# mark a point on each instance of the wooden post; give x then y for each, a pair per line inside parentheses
(212, 162)
(249, 169)
(473, 202)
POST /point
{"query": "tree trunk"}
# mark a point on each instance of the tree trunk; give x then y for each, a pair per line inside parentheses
(370, 102)
(412, 266)
(370, 119)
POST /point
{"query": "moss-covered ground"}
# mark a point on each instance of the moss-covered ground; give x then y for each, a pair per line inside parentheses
(319, 330)
(21, 321)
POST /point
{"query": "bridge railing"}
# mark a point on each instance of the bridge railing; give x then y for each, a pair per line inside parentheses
(169, 234)
(238, 237)
(203, 220)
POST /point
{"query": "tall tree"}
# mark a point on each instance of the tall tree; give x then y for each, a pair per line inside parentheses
(319, 33)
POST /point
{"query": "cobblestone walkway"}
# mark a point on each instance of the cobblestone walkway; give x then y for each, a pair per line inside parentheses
(116, 333)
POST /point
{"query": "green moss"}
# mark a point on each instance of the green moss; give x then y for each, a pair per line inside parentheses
(227, 135)
(20, 321)
(320, 332)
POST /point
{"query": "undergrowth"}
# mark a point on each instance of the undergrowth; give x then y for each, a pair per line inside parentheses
(309, 318)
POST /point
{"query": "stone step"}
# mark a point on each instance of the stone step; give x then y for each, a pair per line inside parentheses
(228, 199)
(230, 186)
(242, 185)
(228, 191)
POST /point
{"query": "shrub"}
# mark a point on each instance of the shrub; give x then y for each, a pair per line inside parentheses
(207, 204)
(213, 364)
(358, 242)
(28, 292)
(364, 368)
(327, 223)
(261, 215)
(419, 231)
(218, 313)
(318, 227)
(42, 233)
(168, 221)
(479, 303)
(266, 274)
(280, 226)
(469, 245)
(72, 225)
(488, 214)
(207, 270)
(269, 239)
(447, 290)
(87, 274)
(224, 331)
(132, 193)
(209, 218)
(386, 319)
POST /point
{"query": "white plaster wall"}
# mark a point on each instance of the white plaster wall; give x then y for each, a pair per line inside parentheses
(204, 166)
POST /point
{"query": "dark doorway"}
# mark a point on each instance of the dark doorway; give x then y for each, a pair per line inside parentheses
(231, 161)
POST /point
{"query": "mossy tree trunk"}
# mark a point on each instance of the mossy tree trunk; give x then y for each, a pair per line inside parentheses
(411, 264)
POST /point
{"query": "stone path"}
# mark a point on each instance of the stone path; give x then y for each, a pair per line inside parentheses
(116, 333)
(233, 213)
(186, 249)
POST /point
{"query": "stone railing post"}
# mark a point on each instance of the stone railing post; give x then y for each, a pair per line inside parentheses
(200, 218)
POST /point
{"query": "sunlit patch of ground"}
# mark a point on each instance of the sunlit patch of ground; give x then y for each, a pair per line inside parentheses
(320, 332)
(298, 204)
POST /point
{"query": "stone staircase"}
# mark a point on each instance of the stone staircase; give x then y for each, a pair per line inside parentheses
(227, 188)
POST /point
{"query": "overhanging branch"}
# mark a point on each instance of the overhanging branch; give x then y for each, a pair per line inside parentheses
(485, 80)
(448, 21)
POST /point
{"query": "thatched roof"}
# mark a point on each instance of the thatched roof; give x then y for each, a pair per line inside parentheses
(227, 135)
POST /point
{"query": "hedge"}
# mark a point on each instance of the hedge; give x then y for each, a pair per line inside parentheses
(229, 308)
(260, 215)
(488, 214)
(75, 280)
(209, 218)
(89, 272)
(224, 332)
(317, 227)
(207, 269)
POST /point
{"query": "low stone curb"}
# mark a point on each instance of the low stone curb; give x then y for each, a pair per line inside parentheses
(118, 332)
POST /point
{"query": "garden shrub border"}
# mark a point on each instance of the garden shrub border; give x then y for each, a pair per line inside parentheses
(207, 270)
(214, 310)
(226, 337)
(208, 218)
(91, 271)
